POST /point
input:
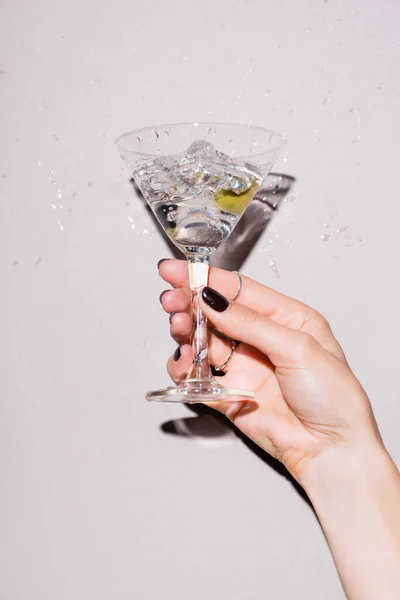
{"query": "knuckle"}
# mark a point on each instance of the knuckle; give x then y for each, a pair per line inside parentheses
(317, 318)
(322, 321)
(303, 347)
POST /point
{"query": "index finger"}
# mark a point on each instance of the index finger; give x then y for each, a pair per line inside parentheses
(266, 301)
(257, 296)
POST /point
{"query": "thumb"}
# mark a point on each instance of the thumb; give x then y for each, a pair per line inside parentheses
(284, 347)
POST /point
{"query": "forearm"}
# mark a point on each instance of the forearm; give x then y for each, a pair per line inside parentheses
(357, 498)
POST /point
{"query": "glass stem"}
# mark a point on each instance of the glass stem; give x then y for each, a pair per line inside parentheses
(198, 278)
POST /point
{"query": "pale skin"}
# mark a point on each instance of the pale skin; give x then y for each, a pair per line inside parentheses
(310, 412)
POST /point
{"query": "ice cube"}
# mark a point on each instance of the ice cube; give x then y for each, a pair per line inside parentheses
(201, 148)
(234, 183)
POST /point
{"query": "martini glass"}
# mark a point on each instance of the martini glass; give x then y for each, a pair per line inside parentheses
(198, 179)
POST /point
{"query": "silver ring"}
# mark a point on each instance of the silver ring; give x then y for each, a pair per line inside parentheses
(233, 348)
(239, 286)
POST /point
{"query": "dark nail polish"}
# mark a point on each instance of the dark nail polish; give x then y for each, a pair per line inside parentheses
(172, 314)
(161, 261)
(216, 373)
(214, 299)
(162, 294)
(177, 354)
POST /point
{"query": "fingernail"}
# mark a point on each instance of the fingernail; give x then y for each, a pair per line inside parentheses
(161, 261)
(214, 299)
(162, 294)
(172, 314)
(177, 354)
(216, 373)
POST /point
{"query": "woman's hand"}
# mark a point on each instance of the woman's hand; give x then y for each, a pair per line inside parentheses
(307, 398)
(310, 412)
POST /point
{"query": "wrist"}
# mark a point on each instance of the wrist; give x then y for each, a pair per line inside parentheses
(355, 491)
(341, 466)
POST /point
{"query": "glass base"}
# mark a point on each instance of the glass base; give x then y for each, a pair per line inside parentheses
(193, 391)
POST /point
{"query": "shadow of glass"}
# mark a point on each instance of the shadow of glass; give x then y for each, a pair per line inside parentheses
(206, 429)
(212, 428)
(237, 248)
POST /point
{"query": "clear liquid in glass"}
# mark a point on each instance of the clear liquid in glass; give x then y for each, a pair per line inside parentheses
(199, 195)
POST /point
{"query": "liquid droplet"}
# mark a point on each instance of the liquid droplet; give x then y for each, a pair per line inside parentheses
(274, 268)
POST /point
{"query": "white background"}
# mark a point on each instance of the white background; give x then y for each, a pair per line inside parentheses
(96, 501)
